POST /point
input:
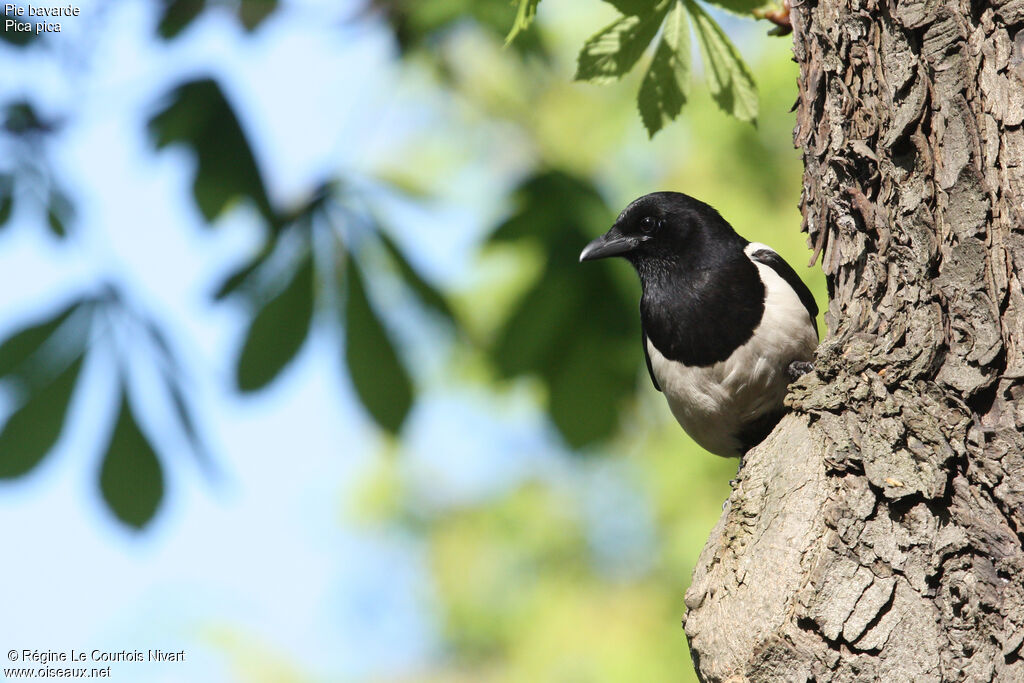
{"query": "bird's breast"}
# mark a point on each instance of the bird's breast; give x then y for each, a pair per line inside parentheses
(714, 403)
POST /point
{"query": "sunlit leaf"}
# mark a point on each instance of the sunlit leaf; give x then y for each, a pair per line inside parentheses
(730, 81)
(665, 85)
(428, 295)
(379, 378)
(17, 348)
(200, 117)
(525, 13)
(33, 429)
(611, 53)
(131, 480)
(278, 331)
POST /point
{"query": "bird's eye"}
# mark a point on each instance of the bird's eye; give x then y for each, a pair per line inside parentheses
(647, 223)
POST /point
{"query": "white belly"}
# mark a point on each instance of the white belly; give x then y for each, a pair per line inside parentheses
(714, 403)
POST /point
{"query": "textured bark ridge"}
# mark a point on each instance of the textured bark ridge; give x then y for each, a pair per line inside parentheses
(877, 534)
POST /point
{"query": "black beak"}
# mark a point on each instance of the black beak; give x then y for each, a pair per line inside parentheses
(608, 244)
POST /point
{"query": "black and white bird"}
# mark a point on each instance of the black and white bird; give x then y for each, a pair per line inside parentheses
(726, 323)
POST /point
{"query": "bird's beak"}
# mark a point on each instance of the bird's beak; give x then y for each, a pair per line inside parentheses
(608, 244)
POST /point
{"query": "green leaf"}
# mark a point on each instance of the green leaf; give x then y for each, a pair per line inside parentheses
(199, 116)
(550, 204)
(664, 88)
(6, 198)
(611, 53)
(379, 378)
(531, 338)
(525, 13)
(584, 404)
(277, 331)
(17, 348)
(730, 81)
(240, 277)
(21, 32)
(177, 16)
(252, 13)
(570, 329)
(59, 212)
(418, 25)
(428, 295)
(634, 7)
(131, 480)
(742, 7)
(33, 429)
(21, 118)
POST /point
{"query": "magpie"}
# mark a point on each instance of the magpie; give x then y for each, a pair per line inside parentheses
(726, 323)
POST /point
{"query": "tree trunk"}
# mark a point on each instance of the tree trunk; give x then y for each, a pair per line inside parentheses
(877, 534)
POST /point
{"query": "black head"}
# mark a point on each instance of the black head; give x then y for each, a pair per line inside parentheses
(665, 228)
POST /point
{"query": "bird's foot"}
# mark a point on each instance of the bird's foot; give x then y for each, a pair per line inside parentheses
(732, 482)
(798, 369)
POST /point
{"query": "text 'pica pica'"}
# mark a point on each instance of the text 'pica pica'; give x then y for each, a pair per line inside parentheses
(723, 319)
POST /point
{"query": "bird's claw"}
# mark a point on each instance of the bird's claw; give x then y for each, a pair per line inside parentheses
(798, 369)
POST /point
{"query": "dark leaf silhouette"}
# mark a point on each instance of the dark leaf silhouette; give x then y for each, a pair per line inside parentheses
(378, 376)
(177, 16)
(33, 429)
(131, 480)
(199, 116)
(252, 13)
(58, 213)
(19, 347)
(6, 198)
(20, 33)
(240, 277)
(278, 330)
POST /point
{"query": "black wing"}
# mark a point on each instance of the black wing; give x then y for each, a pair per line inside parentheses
(647, 357)
(786, 272)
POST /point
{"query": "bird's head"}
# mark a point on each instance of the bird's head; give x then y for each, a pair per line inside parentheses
(661, 227)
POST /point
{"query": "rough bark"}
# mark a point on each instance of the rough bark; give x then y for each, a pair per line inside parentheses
(877, 534)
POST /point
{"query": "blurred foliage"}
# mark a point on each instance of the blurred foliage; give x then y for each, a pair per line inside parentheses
(612, 52)
(571, 320)
(524, 588)
(21, 32)
(422, 26)
(178, 14)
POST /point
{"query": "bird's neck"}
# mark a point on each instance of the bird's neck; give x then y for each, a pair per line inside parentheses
(699, 312)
